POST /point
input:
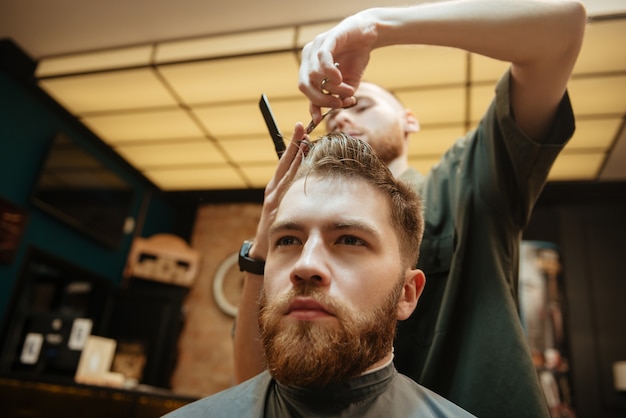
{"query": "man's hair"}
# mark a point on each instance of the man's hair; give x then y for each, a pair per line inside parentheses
(340, 155)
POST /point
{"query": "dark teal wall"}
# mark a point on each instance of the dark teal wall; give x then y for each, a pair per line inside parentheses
(28, 121)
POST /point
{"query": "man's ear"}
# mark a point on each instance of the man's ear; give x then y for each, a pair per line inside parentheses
(411, 124)
(414, 282)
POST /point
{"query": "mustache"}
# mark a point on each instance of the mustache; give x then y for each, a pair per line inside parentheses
(280, 304)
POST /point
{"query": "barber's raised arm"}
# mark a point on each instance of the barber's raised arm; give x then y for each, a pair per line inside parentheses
(540, 38)
(247, 350)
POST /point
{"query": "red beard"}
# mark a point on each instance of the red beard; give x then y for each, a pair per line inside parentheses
(310, 354)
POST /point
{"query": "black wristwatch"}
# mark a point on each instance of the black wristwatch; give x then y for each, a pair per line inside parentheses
(249, 264)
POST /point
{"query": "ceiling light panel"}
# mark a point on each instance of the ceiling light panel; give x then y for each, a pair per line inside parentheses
(110, 91)
(160, 102)
(95, 61)
(435, 106)
(433, 142)
(246, 119)
(231, 119)
(259, 175)
(234, 79)
(196, 178)
(226, 45)
(598, 96)
(484, 69)
(250, 150)
(576, 167)
(177, 153)
(589, 96)
(594, 134)
(407, 66)
(307, 33)
(603, 48)
(289, 111)
(144, 126)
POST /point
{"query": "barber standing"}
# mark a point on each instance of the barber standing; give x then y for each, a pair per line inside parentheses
(465, 339)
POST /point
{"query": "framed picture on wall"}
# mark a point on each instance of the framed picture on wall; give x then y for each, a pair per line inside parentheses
(543, 314)
(12, 224)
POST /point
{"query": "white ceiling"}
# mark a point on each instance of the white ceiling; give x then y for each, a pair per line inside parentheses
(235, 153)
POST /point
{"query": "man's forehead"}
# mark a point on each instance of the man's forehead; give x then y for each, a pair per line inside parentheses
(369, 88)
(335, 199)
(378, 94)
(309, 188)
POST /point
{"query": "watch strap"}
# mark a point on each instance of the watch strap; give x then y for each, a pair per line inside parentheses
(249, 264)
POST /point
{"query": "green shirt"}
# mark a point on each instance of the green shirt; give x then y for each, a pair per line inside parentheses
(465, 340)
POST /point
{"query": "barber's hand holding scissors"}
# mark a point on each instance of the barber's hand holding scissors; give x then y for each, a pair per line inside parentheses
(334, 62)
(285, 171)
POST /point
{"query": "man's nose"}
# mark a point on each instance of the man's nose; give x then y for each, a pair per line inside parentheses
(312, 265)
(342, 119)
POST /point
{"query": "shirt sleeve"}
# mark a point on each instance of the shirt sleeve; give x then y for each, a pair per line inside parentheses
(508, 169)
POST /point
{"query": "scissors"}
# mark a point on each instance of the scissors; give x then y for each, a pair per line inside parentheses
(270, 121)
(312, 125)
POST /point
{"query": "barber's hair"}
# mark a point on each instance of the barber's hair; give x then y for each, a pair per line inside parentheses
(340, 155)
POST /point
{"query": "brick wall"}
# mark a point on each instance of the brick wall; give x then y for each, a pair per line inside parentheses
(205, 359)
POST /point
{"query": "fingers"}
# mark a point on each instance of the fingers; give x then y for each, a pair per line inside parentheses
(333, 82)
(326, 95)
(299, 147)
(290, 160)
(321, 80)
(295, 148)
(284, 174)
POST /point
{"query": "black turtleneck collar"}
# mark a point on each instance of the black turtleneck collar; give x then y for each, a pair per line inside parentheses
(329, 399)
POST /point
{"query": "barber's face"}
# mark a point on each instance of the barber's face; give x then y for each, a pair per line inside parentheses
(332, 281)
(377, 119)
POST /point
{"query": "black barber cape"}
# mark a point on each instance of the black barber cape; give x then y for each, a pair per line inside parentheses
(383, 393)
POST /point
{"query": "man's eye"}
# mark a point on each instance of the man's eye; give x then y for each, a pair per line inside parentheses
(286, 241)
(350, 240)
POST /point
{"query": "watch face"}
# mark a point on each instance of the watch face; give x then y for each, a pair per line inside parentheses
(245, 248)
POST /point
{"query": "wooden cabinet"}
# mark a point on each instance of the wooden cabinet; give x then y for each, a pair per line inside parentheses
(57, 306)
(46, 399)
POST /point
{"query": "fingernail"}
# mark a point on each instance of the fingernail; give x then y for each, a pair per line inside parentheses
(352, 102)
